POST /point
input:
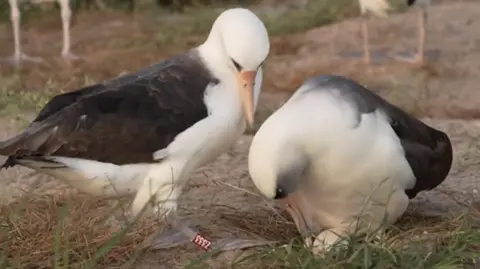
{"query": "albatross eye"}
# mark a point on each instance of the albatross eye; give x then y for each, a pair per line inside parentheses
(280, 194)
(237, 66)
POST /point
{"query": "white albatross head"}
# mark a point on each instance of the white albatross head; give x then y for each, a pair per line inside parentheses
(238, 42)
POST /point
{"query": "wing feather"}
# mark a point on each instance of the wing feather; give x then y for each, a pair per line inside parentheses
(137, 113)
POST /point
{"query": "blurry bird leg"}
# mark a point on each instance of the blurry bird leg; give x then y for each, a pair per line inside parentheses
(366, 47)
(18, 56)
(422, 32)
(66, 14)
(419, 58)
(179, 233)
(176, 233)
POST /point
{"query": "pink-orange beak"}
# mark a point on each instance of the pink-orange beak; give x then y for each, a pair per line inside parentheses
(293, 208)
(246, 82)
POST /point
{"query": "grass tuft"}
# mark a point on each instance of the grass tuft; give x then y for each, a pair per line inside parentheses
(65, 231)
(421, 242)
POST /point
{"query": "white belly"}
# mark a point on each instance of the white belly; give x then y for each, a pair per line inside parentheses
(95, 178)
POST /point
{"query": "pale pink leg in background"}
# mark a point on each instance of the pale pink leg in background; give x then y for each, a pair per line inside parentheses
(18, 56)
(419, 57)
(66, 14)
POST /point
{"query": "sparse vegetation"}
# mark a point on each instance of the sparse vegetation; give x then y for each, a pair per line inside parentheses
(70, 231)
(426, 243)
(65, 233)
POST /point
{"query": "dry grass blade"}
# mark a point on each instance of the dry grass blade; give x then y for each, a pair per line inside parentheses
(270, 228)
(30, 226)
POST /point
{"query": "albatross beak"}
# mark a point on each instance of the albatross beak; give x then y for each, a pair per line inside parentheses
(246, 81)
(293, 208)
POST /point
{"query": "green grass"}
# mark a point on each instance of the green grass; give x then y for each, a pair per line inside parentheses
(452, 243)
(315, 13)
(18, 102)
(15, 100)
(449, 244)
(414, 242)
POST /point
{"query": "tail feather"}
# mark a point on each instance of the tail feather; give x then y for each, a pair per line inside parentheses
(29, 140)
(10, 162)
(33, 162)
(39, 163)
(36, 140)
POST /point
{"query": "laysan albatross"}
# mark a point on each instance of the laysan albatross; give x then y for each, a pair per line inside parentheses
(336, 153)
(145, 133)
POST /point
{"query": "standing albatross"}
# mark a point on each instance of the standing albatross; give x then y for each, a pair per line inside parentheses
(380, 9)
(337, 153)
(147, 132)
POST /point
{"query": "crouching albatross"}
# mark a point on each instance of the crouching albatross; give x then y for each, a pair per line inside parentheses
(339, 157)
(145, 133)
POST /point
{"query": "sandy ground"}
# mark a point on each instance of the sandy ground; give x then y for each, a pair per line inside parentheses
(447, 88)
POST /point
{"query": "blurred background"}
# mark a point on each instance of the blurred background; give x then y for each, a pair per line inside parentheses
(308, 37)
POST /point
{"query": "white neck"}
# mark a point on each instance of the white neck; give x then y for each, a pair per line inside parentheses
(209, 138)
(226, 122)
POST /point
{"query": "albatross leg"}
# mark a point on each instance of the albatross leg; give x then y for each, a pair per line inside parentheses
(66, 14)
(419, 57)
(366, 54)
(178, 233)
(367, 58)
(18, 55)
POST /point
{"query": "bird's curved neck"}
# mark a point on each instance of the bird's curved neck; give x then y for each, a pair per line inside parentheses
(224, 100)
(214, 56)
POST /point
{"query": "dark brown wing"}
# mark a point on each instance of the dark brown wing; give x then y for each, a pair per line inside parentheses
(428, 151)
(121, 121)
